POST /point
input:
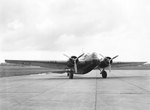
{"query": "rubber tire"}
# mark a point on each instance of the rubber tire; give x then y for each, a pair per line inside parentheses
(104, 74)
(70, 75)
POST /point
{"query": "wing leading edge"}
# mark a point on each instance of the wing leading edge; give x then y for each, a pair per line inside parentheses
(124, 64)
(47, 64)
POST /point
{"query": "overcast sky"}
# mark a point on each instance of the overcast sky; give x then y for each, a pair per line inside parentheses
(45, 29)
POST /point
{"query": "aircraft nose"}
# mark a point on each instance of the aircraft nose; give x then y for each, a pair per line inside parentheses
(94, 56)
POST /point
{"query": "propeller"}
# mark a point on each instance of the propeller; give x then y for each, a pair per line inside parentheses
(75, 66)
(80, 55)
(74, 61)
(114, 57)
(66, 55)
(109, 60)
(102, 55)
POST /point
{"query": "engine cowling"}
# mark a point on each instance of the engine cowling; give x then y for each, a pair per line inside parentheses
(105, 62)
(71, 60)
(109, 60)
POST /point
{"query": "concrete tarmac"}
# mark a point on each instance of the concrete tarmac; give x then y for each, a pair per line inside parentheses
(122, 90)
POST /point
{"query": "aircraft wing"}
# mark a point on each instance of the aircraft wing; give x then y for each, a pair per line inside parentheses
(124, 64)
(47, 64)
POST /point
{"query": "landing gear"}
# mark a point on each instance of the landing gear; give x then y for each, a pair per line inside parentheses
(104, 74)
(70, 75)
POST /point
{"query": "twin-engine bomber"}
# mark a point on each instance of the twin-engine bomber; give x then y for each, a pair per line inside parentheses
(79, 65)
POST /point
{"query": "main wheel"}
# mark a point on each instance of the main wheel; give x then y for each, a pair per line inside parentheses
(104, 74)
(71, 75)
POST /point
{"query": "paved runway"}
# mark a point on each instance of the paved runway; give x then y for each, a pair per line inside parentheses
(122, 90)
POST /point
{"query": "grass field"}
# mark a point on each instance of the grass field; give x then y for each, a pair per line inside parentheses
(11, 70)
(6, 71)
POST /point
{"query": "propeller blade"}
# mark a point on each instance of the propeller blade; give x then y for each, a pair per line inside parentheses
(114, 57)
(109, 67)
(110, 61)
(102, 55)
(80, 55)
(66, 55)
(75, 66)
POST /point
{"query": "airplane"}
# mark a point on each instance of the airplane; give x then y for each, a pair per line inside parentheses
(76, 65)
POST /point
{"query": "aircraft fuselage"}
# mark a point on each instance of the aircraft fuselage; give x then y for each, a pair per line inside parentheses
(90, 62)
(87, 67)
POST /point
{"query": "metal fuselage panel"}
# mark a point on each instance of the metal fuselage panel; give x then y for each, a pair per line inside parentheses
(87, 67)
(91, 61)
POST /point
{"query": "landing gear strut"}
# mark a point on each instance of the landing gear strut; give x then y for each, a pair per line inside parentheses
(104, 74)
(70, 75)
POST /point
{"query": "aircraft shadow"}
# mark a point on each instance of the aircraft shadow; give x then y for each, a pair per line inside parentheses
(126, 77)
(91, 78)
(66, 78)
